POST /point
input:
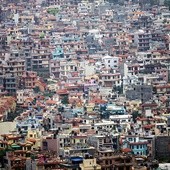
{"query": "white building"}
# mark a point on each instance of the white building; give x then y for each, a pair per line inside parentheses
(111, 62)
(89, 68)
(22, 95)
(144, 58)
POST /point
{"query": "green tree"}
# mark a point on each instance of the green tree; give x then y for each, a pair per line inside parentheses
(118, 89)
(135, 114)
(53, 11)
(2, 154)
(65, 100)
(36, 89)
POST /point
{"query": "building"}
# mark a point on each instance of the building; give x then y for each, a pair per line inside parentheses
(29, 80)
(137, 145)
(89, 163)
(111, 62)
(162, 147)
(10, 84)
(110, 79)
(140, 92)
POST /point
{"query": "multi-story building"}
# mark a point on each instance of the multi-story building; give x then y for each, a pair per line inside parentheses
(22, 95)
(111, 62)
(55, 68)
(140, 92)
(110, 79)
(10, 84)
(100, 142)
(91, 163)
(41, 61)
(17, 66)
(55, 2)
(136, 144)
(142, 40)
(131, 69)
(162, 147)
(3, 38)
(71, 71)
(110, 160)
(29, 79)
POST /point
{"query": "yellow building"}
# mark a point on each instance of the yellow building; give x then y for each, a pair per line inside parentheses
(90, 164)
(90, 107)
(34, 136)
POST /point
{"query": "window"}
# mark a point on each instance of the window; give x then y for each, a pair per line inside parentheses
(169, 147)
(107, 162)
(108, 61)
(130, 139)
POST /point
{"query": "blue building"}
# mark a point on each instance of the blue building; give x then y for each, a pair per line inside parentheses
(138, 145)
(116, 110)
(112, 109)
(29, 123)
(58, 53)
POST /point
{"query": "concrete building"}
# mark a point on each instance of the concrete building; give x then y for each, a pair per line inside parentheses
(111, 62)
(136, 144)
(162, 147)
(140, 92)
(111, 79)
(10, 84)
(29, 79)
(90, 163)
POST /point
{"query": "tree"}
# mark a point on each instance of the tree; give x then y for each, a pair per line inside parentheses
(135, 114)
(2, 154)
(164, 21)
(53, 11)
(118, 89)
(65, 100)
(36, 89)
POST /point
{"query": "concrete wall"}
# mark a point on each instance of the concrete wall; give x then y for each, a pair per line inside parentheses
(162, 147)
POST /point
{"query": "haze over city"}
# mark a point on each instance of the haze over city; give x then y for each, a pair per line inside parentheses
(85, 85)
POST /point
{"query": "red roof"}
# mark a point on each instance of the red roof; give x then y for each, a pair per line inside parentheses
(149, 105)
(62, 91)
(163, 86)
(138, 143)
(50, 102)
(31, 140)
(98, 101)
(148, 126)
(76, 100)
(126, 150)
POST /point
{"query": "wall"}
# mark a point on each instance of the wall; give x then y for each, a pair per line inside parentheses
(162, 147)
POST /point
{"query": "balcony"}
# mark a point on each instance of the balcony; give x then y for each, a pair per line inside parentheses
(123, 164)
(109, 157)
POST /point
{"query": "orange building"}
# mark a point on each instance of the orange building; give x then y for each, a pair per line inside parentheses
(29, 79)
